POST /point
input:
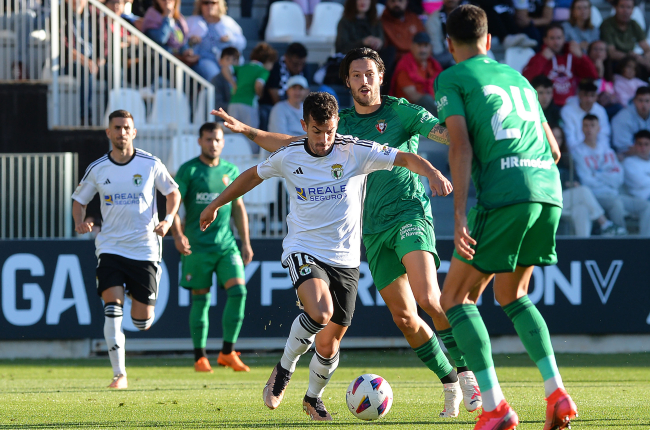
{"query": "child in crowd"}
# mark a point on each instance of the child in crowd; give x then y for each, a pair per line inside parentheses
(222, 88)
(625, 80)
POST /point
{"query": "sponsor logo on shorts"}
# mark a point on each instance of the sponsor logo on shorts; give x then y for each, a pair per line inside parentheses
(305, 270)
(381, 126)
(235, 260)
(337, 171)
(137, 180)
(408, 230)
(514, 161)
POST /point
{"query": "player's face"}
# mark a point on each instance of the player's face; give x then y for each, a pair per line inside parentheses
(590, 128)
(320, 137)
(211, 144)
(121, 133)
(364, 81)
(545, 96)
(642, 147)
(555, 40)
(642, 104)
(624, 10)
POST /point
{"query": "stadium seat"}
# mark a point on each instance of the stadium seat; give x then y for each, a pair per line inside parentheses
(326, 19)
(7, 53)
(127, 99)
(170, 108)
(596, 17)
(184, 148)
(517, 57)
(236, 145)
(286, 22)
(200, 110)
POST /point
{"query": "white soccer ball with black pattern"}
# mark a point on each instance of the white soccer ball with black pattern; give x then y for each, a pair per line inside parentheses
(369, 397)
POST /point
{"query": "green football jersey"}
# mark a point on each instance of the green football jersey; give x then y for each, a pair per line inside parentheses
(397, 195)
(512, 160)
(199, 184)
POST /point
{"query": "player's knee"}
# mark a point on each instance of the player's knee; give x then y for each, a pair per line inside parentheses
(326, 348)
(406, 322)
(322, 315)
(143, 325)
(237, 291)
(430, 303)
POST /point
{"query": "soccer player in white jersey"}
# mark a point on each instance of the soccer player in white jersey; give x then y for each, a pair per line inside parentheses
(325, 174)
(129, 246)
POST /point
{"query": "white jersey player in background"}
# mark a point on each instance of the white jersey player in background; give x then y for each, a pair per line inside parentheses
(325, 174)
(129, 245)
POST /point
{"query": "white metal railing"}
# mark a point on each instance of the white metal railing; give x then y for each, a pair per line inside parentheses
(35, 192)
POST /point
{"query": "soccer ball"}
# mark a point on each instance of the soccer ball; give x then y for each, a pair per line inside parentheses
(369, 397)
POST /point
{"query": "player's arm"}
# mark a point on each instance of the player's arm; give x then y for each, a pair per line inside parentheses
(555, 148)
(241, 222)
(181, 241)
(240, 186)
(79, 215)
(460, 163)
(269, 141)
(439, 134)
(173, 202)
(440, 186)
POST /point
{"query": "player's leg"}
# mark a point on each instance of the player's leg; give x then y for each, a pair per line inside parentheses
(343, 287)
(110, 287)
(231, 267)
(197, 269)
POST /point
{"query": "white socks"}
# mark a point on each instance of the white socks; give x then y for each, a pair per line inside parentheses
(302, 335)
(552, 384)
(492, 398)
(114, 337)
(320, 371)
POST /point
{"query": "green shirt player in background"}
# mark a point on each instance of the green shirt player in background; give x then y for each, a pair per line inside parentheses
(498, 133)
(200, 181)
(397, 223)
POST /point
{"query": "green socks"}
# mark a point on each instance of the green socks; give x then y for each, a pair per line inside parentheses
(533, 332)
(233, 312)
(199, 319)
(431, 354)
(456, 354)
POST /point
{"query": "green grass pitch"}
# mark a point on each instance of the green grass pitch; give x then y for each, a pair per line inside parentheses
(611, 392)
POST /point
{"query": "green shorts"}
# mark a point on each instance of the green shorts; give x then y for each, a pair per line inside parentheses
(385, 250)
(516, 235)
(199, 266)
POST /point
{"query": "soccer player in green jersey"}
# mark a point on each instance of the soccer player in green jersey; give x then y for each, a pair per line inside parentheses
(200, 181)
(397, 222)
(498, 133)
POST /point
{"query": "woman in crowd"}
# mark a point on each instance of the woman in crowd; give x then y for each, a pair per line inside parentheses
(359, 27)
(165, 25)
(607, 98)
(579, 27)
(625, 80)
(210, 31)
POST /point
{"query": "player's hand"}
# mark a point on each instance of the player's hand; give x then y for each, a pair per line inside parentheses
(84, 227)
(182, 244)
(440, 186)
(462, 240)
(246, 253)
(234, 125)
(208, 216)
(162, 228)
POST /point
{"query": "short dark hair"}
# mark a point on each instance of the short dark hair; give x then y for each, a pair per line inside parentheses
(120, 113)
(552, 26)
(622, 64)
(296, 50)
(264, 53)
(642, 134)
(616, 2)
(230, 52)
(209, 127)
(357, 54)
(541, 81)
(587, 86)
(642, 91)
(466, 24)
(320, 106)
(590, 117)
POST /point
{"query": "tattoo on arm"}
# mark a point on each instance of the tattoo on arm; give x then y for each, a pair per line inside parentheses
(252, 134)
(439, 134)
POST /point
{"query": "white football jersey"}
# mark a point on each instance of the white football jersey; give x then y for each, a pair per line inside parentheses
(127, 193)
(326, 196)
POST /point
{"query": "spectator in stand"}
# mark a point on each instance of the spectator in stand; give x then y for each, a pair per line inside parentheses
(248, 84)
(286, 115)
(533, 15)
(637, 167)
(437, 29)
(290, 64)
(579, 27)
(625, 81)
(563, 63)
(597, 53)
(599, 169)
(544, 87)
(400, 25)
(415, 74)
(502, 23)
(165, 25)
(359, 26)
(308, 7)
(575, 110)
(222, 88)
(211, 31)
(579, 202)
(630, 120)
(621, 34)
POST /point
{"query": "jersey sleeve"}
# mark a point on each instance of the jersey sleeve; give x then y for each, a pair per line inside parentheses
(417, 119)
(163, 180)
(86, 189)
(375, 156)
(448, 98)
(272, 166)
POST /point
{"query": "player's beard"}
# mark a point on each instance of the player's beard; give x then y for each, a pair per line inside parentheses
(120, 144)
(372, 97)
